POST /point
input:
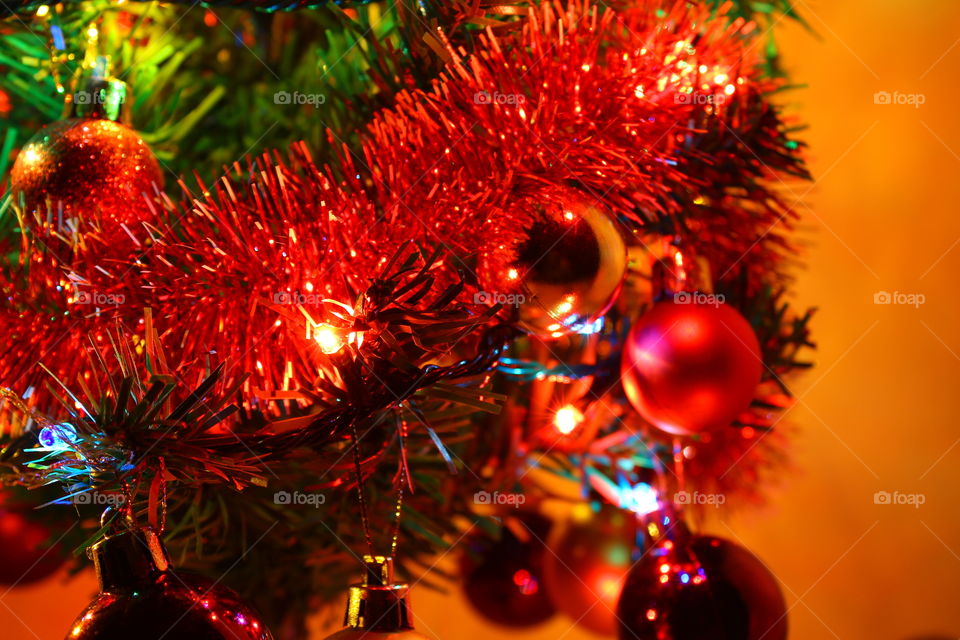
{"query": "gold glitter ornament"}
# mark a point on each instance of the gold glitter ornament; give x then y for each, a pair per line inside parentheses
(89, 171)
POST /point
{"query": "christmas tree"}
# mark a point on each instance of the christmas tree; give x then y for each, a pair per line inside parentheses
(292, 288)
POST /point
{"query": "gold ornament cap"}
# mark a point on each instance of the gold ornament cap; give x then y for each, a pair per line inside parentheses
(126, 560)
(378, 604)
(98, 95)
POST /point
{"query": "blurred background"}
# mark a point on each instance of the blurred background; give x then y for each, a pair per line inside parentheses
(875, 415)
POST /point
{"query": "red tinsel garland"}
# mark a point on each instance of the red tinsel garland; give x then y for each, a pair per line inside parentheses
(659, 111)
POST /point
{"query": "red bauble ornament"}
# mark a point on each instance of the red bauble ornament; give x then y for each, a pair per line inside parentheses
(690, 368)
(690, 587)
(589, 561)
(23, 557)
(503, 579)
(564, 272)
(89, 171)
(99, 171)
(142, 597)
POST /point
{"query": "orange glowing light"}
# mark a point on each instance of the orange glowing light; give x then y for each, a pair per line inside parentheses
(609, 587)
(563, 308)
(329, 338)
(651, 614)
(567, 418)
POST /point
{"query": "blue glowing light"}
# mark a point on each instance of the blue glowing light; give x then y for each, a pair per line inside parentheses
(57, 436)
(591, 328)
(58, 40)
(641, 499)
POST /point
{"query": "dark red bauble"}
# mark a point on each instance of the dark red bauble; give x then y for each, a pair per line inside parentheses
(141, 597)
(701, 588)
(503, 579)
(690, 368)
(98, 171)
(588, 564)
(23, 556)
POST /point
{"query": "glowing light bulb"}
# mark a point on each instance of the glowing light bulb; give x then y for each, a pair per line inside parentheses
(563, 308)
(329, 339)
(642, 499)
(58, 436)
(567, 418)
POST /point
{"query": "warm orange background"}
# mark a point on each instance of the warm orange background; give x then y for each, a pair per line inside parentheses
(878, 412)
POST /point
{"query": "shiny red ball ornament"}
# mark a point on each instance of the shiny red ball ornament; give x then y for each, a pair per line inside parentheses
(588, 564)
(96, 170)
(691, 587)
(691, 368)
(503, 578)
(24, 557)
(89, 171)
(563, 273)
(142, 597)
